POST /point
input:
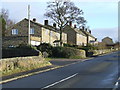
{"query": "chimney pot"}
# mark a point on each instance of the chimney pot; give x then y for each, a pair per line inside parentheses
(34, 19)
(54, 25)
(95, 39)
(90, 31)
(75, 26)
(46, 22)
(83, 27)
(70, 23)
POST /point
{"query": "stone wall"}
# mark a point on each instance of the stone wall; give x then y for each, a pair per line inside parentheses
(19, 64)
(99, 52)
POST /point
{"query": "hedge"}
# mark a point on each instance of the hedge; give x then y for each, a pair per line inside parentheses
(21, 51)
(67, 52)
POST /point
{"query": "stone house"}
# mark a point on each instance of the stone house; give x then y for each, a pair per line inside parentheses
(107, 41)
(75, 36)
(90, 38)
(18, 34)
(78, 36)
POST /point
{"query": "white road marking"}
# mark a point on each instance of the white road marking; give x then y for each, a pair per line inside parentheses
(119, 78)
(116, 84)
(60, 81)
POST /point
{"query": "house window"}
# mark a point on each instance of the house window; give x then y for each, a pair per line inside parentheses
(14, 31)
(51, 33)
(32, 31)
(47, 32)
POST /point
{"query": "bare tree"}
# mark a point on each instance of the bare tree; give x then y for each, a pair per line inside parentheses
(62, 12)
(4, 13)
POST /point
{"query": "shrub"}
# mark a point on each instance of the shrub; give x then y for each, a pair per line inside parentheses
(67, 45)
(45, 47)
(70, 45)
(57, 52)
(67, 52)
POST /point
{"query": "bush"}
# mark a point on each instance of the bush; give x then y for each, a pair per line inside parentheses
(70, 45)
(57, 52)
(45, 47)
(67, 52)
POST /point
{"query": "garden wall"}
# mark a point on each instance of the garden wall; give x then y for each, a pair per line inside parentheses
(19, 64)
(99, 52)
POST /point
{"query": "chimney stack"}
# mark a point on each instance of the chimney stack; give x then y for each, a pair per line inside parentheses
(95, 39)
(83, 28)
(70, 23)
(34, 19)
(54, 25)
(46, 22)
(90, 31)
(74, 25)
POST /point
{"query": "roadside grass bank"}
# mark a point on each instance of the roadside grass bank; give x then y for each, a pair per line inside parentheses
(11, 66)
(55, 58)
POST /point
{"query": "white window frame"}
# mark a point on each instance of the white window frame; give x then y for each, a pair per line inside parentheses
(14, 31)
(32, 31)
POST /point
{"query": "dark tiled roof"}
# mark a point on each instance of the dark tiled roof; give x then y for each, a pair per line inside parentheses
(45, 26)
(80, 31)
(89, 34)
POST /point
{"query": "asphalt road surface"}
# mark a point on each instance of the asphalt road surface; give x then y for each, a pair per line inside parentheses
(99, 72)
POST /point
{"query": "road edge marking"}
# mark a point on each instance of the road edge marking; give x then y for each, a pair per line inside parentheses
(60, 81)
(116, 84)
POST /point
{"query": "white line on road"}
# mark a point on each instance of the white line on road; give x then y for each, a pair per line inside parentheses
(116, 84)
(60, 81)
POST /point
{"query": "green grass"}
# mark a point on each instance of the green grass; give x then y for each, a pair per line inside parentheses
(51, 58)
(77, 57)
(48, 59)
(74, 57)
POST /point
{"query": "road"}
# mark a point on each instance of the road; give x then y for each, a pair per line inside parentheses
(99, 72)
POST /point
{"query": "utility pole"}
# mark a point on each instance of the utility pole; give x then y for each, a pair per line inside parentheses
(29, 42)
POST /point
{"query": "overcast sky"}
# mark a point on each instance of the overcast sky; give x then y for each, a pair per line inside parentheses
(101, 15)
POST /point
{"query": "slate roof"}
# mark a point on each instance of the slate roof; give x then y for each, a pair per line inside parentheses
(45, 26)
(89, 34)
(80, 31)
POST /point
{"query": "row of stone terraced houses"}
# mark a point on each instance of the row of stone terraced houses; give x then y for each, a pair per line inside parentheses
(18, 34)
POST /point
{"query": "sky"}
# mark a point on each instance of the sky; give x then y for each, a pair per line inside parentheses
(101, 15)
